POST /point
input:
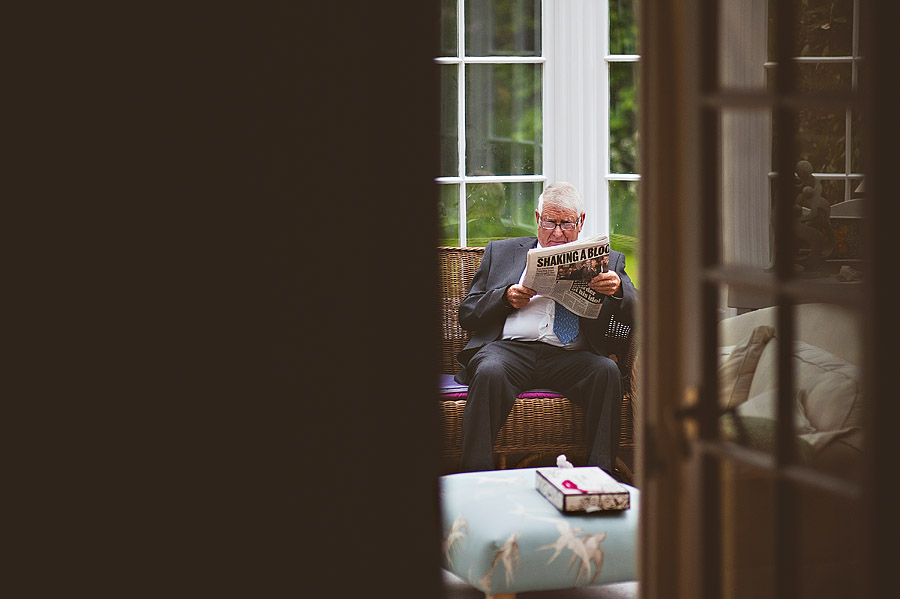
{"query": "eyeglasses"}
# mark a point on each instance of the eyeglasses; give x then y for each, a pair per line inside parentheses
(549, 225)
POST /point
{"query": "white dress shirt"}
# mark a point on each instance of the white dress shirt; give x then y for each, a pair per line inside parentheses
(534, 322)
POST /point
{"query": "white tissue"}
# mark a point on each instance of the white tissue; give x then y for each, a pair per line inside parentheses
(562, 462)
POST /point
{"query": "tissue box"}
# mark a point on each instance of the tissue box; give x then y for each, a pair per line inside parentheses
(583, 489)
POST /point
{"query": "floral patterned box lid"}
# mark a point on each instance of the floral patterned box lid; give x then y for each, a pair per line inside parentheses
(582, 489)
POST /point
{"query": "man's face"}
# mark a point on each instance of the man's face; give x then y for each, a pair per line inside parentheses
(557, 215)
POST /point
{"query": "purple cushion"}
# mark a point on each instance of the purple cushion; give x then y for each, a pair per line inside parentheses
(450, 389)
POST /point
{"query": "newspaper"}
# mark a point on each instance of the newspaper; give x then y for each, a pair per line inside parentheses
(562, 272)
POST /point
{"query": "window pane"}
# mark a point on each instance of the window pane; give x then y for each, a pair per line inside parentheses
(820, 138)
(500, 210)
(623, 36)
(818, 76)
(503, 28)
(825, 28)
(827, 357)
(747, 367)
(503, 119)
(448, 28)
(747, 40)
(449, 121)
(624, 224)
(745, 189)
(623, 132)
(833, 189)
(742, 44)
(824, 239)
(448, 215)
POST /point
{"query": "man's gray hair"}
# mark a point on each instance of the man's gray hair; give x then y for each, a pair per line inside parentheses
(562, 195)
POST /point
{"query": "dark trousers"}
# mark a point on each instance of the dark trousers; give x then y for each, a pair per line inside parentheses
(501, 370)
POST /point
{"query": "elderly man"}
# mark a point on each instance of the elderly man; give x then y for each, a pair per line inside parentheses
(517, 343)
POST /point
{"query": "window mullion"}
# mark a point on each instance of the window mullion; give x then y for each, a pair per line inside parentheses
(461, 117)
(848, 132)
(604, 83)
(548, 123)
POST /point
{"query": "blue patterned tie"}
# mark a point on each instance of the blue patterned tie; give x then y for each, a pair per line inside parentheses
(565, 324)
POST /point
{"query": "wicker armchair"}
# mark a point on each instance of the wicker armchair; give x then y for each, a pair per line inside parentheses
(537, 426)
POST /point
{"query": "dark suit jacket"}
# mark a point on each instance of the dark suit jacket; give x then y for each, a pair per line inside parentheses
(483, 312)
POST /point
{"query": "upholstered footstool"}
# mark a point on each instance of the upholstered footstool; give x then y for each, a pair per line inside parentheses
(502, 536)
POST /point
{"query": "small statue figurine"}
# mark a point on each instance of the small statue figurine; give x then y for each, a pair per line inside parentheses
(805, 178)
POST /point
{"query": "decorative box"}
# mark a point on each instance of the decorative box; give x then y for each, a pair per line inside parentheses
(582, 489)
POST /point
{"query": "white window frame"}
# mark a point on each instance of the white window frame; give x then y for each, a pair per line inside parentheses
(851, 180)
(461, 60)
(575, 106)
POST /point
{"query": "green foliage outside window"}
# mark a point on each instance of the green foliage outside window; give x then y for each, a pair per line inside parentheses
(624, 224)
(493, 210)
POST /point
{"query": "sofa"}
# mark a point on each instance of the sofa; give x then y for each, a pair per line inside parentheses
(827, 405)
(827, 420)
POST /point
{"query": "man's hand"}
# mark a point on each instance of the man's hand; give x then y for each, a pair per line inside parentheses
(518, 296)
(606, 283)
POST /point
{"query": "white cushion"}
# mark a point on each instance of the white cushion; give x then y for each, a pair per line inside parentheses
(737, 369)
(763, 406)
(833, 399)
(766, 376)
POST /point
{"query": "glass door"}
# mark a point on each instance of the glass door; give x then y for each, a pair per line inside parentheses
(765, 321)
